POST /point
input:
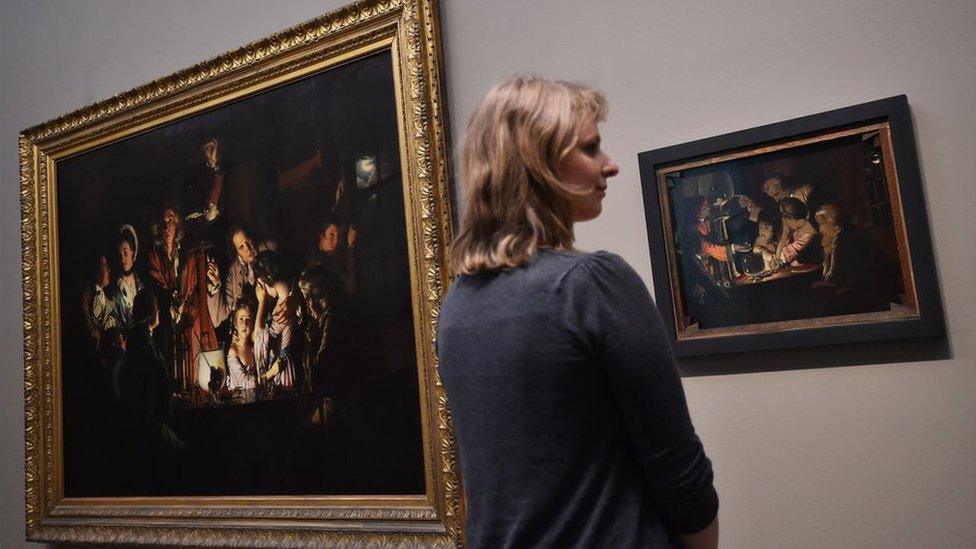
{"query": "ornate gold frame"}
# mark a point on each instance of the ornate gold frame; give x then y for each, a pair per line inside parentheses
(409, 28)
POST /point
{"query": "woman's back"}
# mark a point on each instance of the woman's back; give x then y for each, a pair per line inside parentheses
(569, 412)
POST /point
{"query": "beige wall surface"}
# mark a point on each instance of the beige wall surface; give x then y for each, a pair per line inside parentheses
(859, 455)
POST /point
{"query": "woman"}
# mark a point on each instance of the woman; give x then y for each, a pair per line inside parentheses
(274, 338)
(570, 416)
(122, 292)
(241, 364)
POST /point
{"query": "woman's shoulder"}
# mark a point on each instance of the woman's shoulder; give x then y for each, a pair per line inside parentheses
(608, 260)
(548, 270)
(575, 259)
(600, 266)
(549, 260)
(578, 258)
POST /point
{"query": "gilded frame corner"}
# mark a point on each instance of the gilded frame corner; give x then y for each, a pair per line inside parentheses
(410, 30)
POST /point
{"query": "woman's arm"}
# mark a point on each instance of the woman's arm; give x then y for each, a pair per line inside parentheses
(622, 330)
(262, 295)
(272, 371)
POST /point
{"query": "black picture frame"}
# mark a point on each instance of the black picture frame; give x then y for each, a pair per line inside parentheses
(907, 207)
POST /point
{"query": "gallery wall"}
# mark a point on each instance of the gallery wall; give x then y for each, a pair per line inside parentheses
(870, 446)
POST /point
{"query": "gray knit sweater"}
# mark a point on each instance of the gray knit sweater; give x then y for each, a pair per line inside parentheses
(571, 420)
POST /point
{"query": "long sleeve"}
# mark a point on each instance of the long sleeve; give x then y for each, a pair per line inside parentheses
(622, 330)
(798, 244)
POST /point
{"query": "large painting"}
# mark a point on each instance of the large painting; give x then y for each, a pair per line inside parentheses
(244, 290)
(240, 282)
(807, 232)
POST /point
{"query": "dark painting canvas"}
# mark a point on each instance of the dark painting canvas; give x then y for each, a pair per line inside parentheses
(801, 233)
(236, 304)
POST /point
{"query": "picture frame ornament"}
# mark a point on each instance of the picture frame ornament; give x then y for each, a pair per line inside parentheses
(410, 30)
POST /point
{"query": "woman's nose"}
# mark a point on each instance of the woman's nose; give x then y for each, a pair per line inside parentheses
(610, 169)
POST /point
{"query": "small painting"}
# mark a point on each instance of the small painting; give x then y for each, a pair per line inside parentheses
(804, 232)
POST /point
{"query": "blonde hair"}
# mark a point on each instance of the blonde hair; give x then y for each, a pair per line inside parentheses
(828, 211)
(236, 338)
(510, 171)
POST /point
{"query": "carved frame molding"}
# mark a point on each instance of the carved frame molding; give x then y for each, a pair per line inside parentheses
(410, 29)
